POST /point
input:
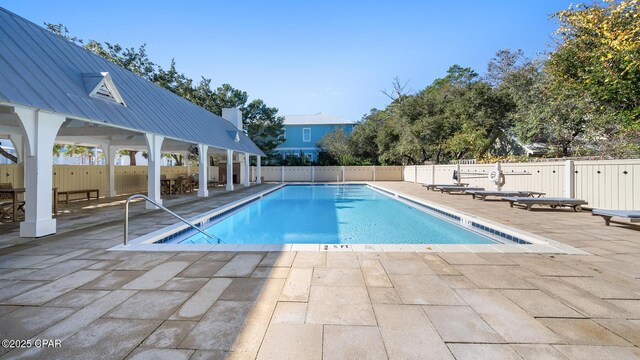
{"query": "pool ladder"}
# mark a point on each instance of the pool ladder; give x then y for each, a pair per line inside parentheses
(140, 196)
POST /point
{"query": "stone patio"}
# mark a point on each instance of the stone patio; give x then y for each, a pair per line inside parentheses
(312, 305)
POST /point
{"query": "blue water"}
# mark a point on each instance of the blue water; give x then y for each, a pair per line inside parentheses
(334, 214)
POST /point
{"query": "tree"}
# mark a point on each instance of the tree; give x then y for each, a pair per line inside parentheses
(77, 150)
(399, 90)
(263, 126)
(9, 156)
(131, 154)
(503, 65)
(226, 96)
(457, 116)
(545, 110)
(362, 141)
(81, 151)
(598, 58)
(334, 143)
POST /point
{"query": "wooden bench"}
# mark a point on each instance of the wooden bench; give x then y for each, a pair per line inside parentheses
(87, 192)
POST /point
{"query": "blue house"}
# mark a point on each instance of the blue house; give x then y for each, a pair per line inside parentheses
(302, 133)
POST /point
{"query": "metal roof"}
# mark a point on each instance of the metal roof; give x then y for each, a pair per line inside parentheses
(316, 119)
(42, 70)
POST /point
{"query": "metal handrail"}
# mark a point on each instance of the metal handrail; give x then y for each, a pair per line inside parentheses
(136, 196)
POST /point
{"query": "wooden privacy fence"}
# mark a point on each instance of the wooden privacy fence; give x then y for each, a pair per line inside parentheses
(610, 184)
(128, 179)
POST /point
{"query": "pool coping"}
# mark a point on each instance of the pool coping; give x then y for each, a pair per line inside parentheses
(537, 243)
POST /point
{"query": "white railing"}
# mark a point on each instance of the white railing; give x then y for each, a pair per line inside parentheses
(141, 196)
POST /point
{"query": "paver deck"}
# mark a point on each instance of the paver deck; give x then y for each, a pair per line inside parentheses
(313, 305)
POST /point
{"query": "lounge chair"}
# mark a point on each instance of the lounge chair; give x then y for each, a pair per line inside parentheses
(188, 184)
(437, 186)
(554, 202)
(483, 194)
(177, 186)
(455, 188)
(6, 202)
(634, 215)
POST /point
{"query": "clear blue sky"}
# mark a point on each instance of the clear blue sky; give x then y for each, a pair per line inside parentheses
(310, 56)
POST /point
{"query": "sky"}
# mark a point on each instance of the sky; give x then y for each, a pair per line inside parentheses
(305, 57)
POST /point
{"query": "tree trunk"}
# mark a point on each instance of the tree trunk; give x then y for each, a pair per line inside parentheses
(178, 159)
(494, 135)
(412, 161)
(132, 157)
(12, 158)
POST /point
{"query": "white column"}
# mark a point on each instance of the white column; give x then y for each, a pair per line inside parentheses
(187, 162)
(154, 143)
(247, 171)
(569, 179)
(203, 170)
(110, 157)
(40, 129)
(374, 173)
(258, 170)
(229, 170)
(281, 173)
(313, 173)
(433, 173)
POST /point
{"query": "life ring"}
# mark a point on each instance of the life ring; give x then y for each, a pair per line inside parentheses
(497, 177)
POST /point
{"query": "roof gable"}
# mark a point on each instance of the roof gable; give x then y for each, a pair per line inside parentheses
(42, 70)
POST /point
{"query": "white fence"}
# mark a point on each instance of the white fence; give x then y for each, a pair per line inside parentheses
(611, 184)
(329, 173)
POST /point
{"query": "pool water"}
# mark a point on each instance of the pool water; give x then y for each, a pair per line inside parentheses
(333, 214)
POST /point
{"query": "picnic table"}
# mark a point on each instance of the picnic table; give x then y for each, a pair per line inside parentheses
(14, 196)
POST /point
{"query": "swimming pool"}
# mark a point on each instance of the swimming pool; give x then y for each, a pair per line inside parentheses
(334, 214)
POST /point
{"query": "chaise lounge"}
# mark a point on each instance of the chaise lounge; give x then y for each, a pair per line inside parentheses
(483, 194)
(455, 188)
(438, 186)
(633, 215)
(553, 202)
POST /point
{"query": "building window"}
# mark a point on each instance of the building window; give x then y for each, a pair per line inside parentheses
(306, 134)
(309, 156)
